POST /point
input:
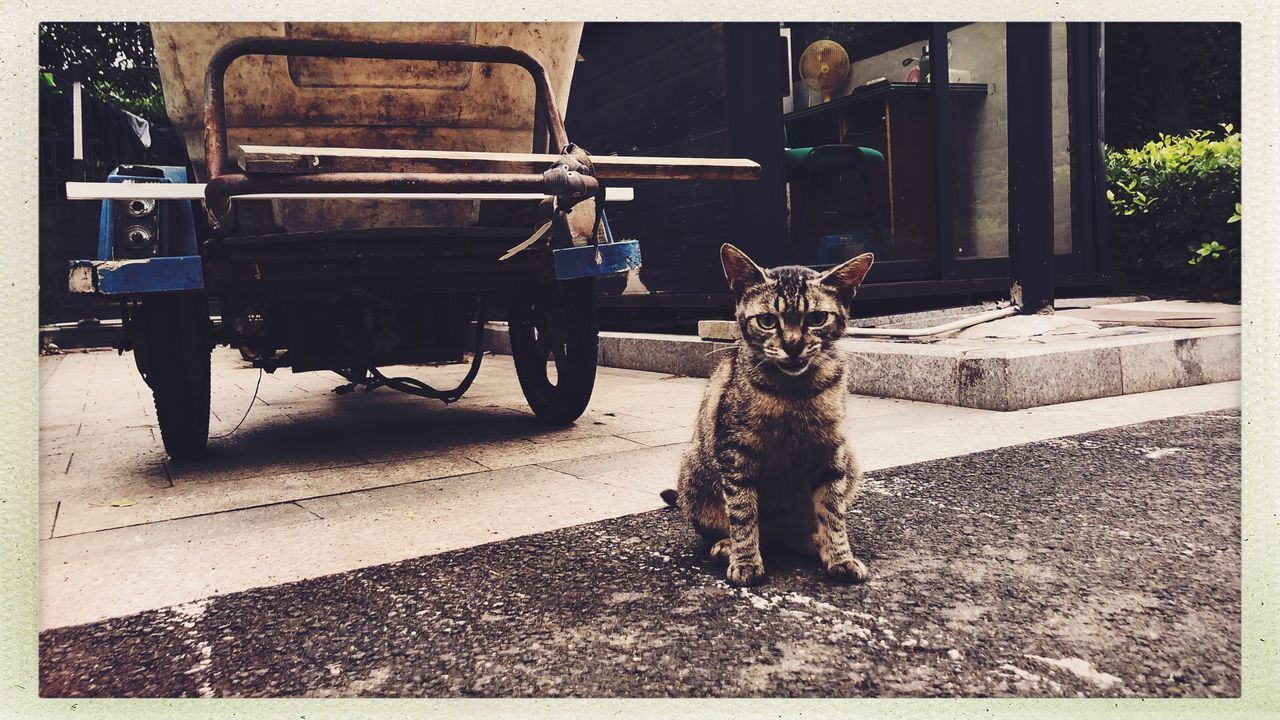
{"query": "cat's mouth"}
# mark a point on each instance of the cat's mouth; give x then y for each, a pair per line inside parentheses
(792, 366)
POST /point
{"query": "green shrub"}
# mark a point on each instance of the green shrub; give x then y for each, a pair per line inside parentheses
(1176, 209)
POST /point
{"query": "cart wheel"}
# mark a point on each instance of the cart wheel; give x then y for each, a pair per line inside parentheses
(172, 348)
(553, 342)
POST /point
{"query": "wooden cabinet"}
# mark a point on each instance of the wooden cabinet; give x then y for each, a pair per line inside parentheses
(897, 120)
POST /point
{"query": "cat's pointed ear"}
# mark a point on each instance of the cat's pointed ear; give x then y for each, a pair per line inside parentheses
(739, 270)
(846, 278)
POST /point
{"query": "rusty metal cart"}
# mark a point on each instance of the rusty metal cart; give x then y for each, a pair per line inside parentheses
(304, 281)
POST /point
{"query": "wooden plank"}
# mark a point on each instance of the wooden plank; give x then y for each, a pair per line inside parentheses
(284, 159)
(195, 191)
(134, 191)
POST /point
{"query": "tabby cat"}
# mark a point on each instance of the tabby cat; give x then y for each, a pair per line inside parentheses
(769, 457)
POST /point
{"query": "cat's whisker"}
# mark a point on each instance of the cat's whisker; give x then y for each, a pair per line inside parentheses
(727, 347)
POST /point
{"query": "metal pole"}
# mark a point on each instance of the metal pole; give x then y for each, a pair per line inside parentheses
(77, 124)
(1030, 101)
(944, 151)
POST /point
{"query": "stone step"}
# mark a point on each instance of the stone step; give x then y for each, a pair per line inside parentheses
(1004, 373)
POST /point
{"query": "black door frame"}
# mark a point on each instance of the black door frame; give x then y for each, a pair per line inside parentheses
(1090, 254)
(1090, 211)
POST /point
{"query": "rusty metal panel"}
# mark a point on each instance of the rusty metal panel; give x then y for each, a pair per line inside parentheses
(494, 112)
(326, 72)
(267, 104)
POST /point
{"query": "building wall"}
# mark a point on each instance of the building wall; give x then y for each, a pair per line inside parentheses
(659, 89)
(687, 90)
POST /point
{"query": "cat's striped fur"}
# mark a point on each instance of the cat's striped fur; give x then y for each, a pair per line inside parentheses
(769, 459)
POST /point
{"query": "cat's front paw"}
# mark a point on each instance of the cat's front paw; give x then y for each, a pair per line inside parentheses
(745, 573)
(848, 571)
(720, 551)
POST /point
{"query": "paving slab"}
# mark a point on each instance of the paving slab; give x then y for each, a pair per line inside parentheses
(423, 443)
(649, 471)
(1097, 565)
(1045, 327)
(209, 497)
(508, 455)
(1162, 313)
(86, 577)
(657, 438)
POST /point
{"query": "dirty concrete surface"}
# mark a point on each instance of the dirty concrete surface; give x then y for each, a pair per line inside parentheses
(1103, 564)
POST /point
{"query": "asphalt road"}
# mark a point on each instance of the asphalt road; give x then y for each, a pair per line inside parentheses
(1105, 564)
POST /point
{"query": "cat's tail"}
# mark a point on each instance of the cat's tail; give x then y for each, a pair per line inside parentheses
(669, 497)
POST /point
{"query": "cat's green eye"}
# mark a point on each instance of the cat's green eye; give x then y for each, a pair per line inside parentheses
(815, 319)
(768, 322)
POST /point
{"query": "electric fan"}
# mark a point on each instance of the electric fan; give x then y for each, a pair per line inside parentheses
(824, 66)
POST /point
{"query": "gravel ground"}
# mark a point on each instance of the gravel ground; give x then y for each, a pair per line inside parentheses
(1105, 564)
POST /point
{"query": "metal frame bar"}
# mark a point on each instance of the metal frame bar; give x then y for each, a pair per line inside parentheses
(1030, 125)
(219, 190)
(215, 138)
(1089, 208)
(195, 191)
(1102, 219)
(223, 184)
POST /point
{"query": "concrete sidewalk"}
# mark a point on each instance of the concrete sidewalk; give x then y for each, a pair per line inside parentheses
(314, 483)
(1097, 565)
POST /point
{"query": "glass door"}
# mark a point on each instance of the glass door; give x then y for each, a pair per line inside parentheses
(918, 168)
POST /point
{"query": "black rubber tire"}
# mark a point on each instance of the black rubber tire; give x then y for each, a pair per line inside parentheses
(566, 310)
(172, 349)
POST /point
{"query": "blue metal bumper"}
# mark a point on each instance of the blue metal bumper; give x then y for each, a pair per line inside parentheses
(175, 274)
(125, 277)
(579, 262)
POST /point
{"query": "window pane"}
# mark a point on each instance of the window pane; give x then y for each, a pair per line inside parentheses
(876, 192)
(885, 105)
(981, 132)
(1061, 146)
(982, 142)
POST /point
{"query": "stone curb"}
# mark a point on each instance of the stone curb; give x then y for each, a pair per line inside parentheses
(1003, 377)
